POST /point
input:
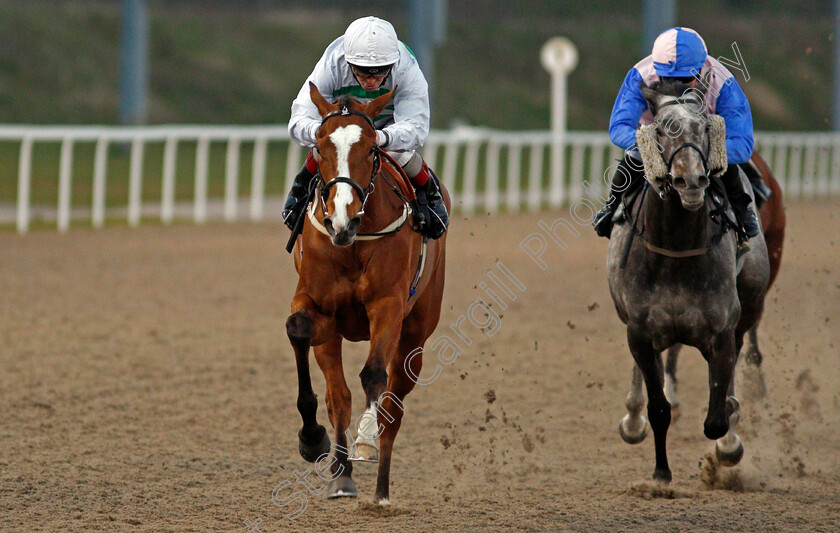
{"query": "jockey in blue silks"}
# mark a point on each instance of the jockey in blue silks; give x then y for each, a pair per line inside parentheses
(681, 53)
(366, 62)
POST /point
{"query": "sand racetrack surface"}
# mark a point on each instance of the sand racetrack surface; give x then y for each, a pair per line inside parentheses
(146, 384)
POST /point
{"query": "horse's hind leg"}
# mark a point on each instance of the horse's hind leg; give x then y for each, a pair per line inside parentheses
(303, 327)
(671, 380)
(753, 377)
(339, 408)
(659, 410)
(633, 427)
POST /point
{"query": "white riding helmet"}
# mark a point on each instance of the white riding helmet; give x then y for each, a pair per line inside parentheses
(371, 42)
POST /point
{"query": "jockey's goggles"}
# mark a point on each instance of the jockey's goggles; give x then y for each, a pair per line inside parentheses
(380, 71)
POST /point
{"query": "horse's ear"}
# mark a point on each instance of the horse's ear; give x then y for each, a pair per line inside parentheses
(652, 98)
(324, 107)
(375, 106)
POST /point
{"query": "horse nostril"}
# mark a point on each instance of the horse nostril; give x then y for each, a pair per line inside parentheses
(703, 181)
(328, 223)
(679, 183)
(355, 222)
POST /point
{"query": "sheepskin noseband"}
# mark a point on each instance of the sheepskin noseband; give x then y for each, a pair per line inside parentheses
(655, 167)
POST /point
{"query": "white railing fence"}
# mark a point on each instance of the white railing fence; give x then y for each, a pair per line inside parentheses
(486, 170)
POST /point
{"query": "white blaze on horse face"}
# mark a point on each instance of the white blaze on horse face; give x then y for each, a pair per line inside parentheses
(343, 138)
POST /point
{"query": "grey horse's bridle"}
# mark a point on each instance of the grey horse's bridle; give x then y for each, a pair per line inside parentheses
(704, 156)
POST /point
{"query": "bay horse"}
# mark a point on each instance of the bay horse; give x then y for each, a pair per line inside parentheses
(772, 214)
(680, 280)
(364, 274)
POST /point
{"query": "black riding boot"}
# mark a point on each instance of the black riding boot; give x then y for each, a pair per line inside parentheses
(296, 201)
(761, 191)
(741, 202)
(430, 201)
(629, 173)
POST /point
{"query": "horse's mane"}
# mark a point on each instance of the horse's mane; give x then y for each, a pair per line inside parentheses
(670, 87)
(345, 101)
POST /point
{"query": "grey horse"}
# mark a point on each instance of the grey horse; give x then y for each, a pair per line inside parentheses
(680, 279)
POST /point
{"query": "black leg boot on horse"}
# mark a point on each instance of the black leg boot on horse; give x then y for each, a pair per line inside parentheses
(630, 173)
(299, 193)
(742, 205)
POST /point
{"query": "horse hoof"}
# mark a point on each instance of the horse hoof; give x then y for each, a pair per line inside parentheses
(364, 452)
(342, 487)
(314, 446)
(632, 433)
(730, 457)
(662, 476)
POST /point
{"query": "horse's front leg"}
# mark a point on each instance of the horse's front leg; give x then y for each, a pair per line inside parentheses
(385, 316)
(659, 410)
(729, 449)
(407, 362)
(721, 356)
(304, 328)
(339, 409)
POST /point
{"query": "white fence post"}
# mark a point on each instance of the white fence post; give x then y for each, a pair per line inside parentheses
(258, 178)
(24, 182)
(65, 183)
(167, 194)
(202, 155)
(135, 182)
(231, 179)
(513, 181)
(100, 169)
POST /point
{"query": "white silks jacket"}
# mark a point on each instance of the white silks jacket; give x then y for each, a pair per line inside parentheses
(405, 119)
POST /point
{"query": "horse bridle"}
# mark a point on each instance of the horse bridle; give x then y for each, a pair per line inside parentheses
(363, 193)
(668, 185)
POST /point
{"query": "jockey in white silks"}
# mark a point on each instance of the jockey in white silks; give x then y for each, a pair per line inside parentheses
(366, 62)
(681, 53)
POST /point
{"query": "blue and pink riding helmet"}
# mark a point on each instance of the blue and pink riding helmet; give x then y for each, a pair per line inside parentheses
(679, 52)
